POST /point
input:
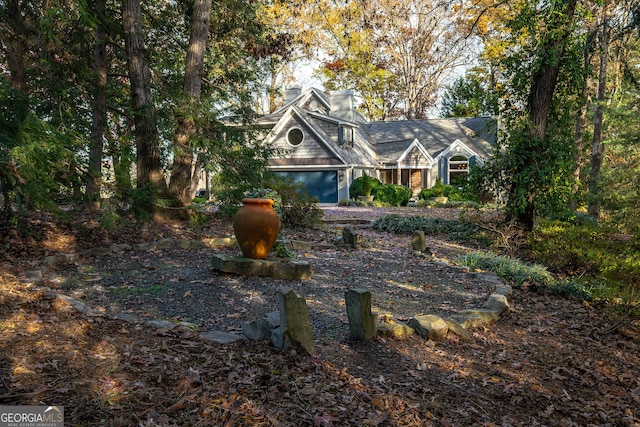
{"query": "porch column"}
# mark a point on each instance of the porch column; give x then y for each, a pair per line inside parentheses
(399, 177)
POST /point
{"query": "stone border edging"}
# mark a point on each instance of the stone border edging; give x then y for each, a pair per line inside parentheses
(427, 326)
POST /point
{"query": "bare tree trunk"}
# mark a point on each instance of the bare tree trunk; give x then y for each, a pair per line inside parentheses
(120, 156)
(581, 119)
(577, 155)
(99, 117)
(186, 128)
(16, 46)
(195, 179)
(597, 148)
(273, 87)
(149, 166)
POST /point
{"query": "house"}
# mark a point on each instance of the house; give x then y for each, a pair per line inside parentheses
(327, 144)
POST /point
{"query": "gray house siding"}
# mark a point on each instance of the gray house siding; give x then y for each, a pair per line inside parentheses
(310, 148)
(330, 157)
(415, 159)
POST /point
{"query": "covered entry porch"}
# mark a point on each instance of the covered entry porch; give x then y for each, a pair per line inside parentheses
(413, 178)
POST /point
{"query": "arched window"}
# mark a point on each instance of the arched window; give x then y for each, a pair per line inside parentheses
(458, 169)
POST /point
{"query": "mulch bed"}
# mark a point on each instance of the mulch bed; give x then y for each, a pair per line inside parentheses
(179, 284)
(552, 361)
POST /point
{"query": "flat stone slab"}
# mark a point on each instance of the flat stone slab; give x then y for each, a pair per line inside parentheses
(220, 337)
(278, 269)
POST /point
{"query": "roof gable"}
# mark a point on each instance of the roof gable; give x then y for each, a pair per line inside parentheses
(311, 100)
(294, 117)
(414, 147)
(458, 147)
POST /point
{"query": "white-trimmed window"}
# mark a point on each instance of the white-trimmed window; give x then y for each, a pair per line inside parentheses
(458, 169)
(345, 136)
(295, 136)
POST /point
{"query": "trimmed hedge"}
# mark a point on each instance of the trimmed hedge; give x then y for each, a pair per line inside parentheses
(356, 187)
(392, 194)
(450, 191)
(384, 194)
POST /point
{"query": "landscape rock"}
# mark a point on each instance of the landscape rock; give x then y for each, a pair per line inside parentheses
(32, 276)
(295, 326)
(54, 260)
(391, 329)
(505, 290)
(350, 236)
(80, 306)
(100, 251)
(221, 242)
(119, 248)
(497, 303)
(126, 317)
(474, 318)
(418, 241)
(190, 244)
(362, 323)
(148, 246)
(279, 269)
(161, 324)
(457, 329)
(429, 326)
(261, 329)
(166, 244)
(220, 337)
(489, 277)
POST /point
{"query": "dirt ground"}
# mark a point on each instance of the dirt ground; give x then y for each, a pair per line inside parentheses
(552, 361)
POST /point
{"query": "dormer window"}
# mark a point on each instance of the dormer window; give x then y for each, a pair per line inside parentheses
(295, 136)
(345, 136)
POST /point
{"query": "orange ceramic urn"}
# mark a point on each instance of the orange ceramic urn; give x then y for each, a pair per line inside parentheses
(256, 225)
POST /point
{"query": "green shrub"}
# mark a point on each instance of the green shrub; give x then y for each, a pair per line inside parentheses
(509, 269)
(367, 185)
(356, 202)
(581, 289)
(588, 249)
(299, 209)
(453, 193)
(535, 276)
(464, 204)
(408, 224)
(357, 186)
(392, 194)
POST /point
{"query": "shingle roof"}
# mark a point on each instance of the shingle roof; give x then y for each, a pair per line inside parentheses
(390, 140)
(434, 134)
(390, 151)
